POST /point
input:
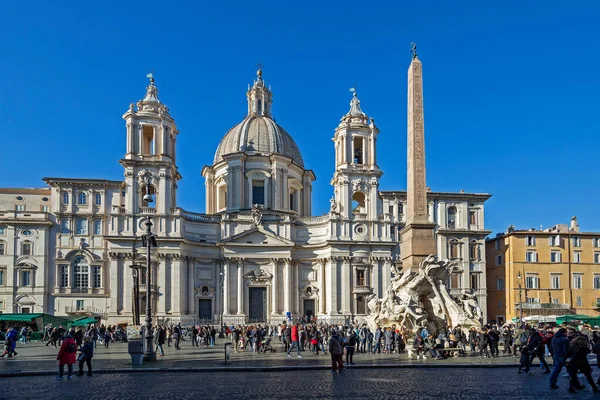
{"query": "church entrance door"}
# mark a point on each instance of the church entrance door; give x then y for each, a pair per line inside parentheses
(309, 308)
(205, 309)
(257, 304)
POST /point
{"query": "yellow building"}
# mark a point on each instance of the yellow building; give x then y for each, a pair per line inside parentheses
(556, 269)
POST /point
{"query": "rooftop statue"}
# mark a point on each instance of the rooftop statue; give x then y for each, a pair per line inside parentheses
(419, 297)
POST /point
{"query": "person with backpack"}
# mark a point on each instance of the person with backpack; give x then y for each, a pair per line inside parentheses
(66, 356)
(460, 339)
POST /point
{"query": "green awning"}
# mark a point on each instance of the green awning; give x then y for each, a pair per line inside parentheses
(573, 317)
(19, 317)
(84, 321)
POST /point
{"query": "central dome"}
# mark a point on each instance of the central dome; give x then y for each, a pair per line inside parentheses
(258, 133)
(262, 135)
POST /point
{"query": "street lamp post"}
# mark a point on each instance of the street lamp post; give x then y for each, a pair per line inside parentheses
(136, 293)
(149, 241)
(221, 331)
(520, 297)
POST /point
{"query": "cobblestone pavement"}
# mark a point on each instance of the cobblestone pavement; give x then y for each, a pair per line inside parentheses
(38, 357)
(446, 383)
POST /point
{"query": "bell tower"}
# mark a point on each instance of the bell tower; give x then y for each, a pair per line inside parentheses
(149, 162)
(356, 177)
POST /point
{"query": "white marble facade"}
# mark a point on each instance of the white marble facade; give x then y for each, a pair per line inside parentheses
(255, 254)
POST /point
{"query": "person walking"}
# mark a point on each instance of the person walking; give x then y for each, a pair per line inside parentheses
(287, 338)
(107, 338)
(483, 340)
(493, 339)
(507, 338)
(535, 345)
(560, 346)
(336, 351)
(577, 362)
(66, 356)
(85, 356)
(195, 337)
(160, 339)
(295, 341)
(235, 337)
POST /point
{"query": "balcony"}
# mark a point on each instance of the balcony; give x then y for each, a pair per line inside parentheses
(85, 311)
(361, 289)
(147, 210)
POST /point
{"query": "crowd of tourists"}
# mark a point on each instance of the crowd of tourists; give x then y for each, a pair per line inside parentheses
(568, 346)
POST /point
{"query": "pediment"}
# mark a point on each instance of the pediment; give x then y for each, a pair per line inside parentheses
(257, 236)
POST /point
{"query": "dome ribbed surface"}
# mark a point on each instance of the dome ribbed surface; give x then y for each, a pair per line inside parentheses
(259, 134)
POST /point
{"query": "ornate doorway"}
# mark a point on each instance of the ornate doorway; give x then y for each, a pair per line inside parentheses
(257, 304)
(205, 309)
(309, 308)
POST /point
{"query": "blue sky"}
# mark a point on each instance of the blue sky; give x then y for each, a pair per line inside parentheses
(511, 90)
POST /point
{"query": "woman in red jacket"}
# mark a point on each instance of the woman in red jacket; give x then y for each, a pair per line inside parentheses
(66, 355)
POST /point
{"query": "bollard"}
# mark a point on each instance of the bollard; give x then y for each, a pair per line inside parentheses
(228, 351)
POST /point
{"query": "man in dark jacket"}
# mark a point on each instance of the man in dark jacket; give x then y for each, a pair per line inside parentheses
(560, 345)
(535, 344)
(336, 350)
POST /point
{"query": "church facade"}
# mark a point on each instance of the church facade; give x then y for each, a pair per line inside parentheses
(254, 255)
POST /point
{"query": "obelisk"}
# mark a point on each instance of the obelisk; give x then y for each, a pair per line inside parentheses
(418, 235)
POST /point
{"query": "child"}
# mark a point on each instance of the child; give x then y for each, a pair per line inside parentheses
(524, 367)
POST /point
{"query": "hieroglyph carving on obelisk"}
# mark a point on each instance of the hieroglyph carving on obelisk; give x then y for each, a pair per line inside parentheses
(416, 188)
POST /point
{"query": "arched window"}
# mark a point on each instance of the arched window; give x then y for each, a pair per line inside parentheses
(452, 217)
(358, 150)
(152, 191)
(81, 273)
(26, 248)
(98, 199)
(65, 198)
(81, 198)
(358, 203)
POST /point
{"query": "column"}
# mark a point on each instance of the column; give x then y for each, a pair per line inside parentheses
(322, 302)
(287, 284)
(240, 282)
(140, 140)
(226, 263)
(191, 295)
(161, 281)
(57, 276)
(295, 291)
(387, 274)
(346, 283)
(376, 284)
(331, 274)
(274, 288)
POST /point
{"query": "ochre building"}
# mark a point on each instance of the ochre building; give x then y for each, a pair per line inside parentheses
(559, 270)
